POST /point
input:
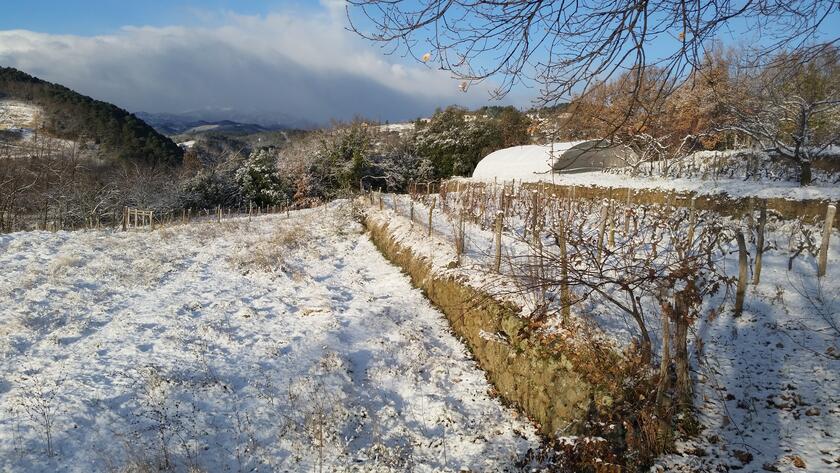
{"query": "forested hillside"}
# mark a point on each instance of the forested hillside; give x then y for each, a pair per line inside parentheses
(71, 115)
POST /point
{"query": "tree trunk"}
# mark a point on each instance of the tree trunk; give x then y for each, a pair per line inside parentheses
(804, 173)
(664, 378)
(640, 321)
(681, 353)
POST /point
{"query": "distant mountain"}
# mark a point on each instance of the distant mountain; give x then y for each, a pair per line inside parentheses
(174, 125)
(70, 115)
(222, 121)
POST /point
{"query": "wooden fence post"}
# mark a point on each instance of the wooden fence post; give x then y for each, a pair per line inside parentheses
(125, 219)
(152, 220)
(497, 263)
(627, 213)
(742, 273)
(605, 210)
(481, 209)
(759, 242)
(460, 239)
(692, 222)
(565, 299)
(431, 211)
(826, 240)
(571, 204)
(536, 216)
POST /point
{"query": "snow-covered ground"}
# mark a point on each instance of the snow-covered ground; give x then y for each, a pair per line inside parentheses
(767, 383)
(396, 127)
(732, 187)
(17, 114)
(22, 121)
(19, 118)
(278, 344)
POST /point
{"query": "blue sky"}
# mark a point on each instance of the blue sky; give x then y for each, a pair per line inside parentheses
(292, 59)
(96, 17)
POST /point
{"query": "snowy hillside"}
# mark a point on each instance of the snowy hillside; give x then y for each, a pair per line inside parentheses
(14, 113)
(279, 344)
(18, 117)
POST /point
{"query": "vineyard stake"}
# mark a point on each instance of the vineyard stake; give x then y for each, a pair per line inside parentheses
(742, 273)
(497, 263)
(829, 222)
(431, 209)
(759, 242)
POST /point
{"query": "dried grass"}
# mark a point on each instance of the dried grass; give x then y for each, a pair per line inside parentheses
(267, 253)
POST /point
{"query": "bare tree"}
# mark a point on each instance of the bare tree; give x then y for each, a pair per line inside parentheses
(567, 46)
(791, 108)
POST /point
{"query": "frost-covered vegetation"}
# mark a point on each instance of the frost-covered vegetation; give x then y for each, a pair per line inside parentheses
(59, 187)
(718, 368)
(787, 109)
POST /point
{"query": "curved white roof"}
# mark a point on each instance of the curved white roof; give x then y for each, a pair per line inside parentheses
(529, 162)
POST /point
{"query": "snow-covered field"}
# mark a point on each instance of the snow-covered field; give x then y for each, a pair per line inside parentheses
(19, 118)
(396, 127)
(17, 114)
(280, 344)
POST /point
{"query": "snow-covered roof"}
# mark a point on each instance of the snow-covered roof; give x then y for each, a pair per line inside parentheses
(527, 162)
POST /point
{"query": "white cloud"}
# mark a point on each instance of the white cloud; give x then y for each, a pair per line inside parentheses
(302, 65)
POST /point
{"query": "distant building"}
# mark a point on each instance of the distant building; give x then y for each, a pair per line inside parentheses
(594, 155)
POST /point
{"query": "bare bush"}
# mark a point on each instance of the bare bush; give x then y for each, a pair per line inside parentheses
(41, 400)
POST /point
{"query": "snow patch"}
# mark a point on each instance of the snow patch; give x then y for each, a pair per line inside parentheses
(529, 162)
